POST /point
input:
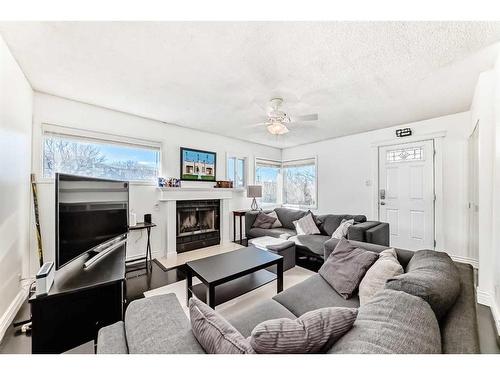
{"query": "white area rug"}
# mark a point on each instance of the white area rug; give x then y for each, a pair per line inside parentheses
(290, 278)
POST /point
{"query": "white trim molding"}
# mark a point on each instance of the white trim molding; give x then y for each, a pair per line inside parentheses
(473, 262)
(8, 317)
(486, 299)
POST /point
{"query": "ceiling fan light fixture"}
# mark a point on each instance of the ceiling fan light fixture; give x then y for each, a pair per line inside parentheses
(277, 128)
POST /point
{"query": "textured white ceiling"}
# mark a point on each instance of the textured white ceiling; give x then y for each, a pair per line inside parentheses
(218, 77)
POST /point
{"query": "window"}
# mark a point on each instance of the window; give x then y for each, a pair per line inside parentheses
(405, 154)
(299, 182)
(93, 157)
(268, 174)
(236, 168)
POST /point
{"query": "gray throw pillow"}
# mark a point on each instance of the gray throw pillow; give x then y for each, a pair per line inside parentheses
(432, 276)
(386, 267)
(215, 334)
(313, 332)
(277, 223)
(346, 266)
(392, 322)
(263, 221)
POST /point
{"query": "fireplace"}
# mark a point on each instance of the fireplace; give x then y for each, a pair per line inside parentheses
(198, 224)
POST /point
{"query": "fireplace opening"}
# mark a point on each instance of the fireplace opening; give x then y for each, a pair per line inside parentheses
(198, 224)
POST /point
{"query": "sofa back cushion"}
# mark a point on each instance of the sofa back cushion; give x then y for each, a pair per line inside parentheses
(432, 276)
(329, 223)
(392, 322)
(287, 216)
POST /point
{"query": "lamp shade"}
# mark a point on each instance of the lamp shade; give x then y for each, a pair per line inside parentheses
(254, 191)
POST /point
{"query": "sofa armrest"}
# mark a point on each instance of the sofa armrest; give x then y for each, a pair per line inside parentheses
(357, 232)
(111, 339)
(378, 235)
(249, 220)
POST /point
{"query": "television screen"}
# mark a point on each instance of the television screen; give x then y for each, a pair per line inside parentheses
(89, 212)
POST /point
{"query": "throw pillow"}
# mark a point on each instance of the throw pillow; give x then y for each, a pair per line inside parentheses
(392, 322)
(386, 267)
(313, 332)
(277, 223)
(214, 333)
(341, 231)
(263, 221)
(432, 276)
(306, 225)
(346, 266)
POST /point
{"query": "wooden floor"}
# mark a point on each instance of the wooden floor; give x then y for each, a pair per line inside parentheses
(139, 281)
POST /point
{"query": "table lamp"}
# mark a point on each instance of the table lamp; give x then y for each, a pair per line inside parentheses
(254, 191)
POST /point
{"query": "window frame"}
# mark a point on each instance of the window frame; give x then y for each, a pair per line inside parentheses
(102, 138)
(245, 169)
(300, 206)
(279, 190)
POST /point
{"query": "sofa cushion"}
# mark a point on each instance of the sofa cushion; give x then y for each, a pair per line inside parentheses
(306, 225)
(343, 228)
(263, 221)
(331, 222)
(277, 223)
(312, 332)
(158, 325)
(386, 267)
(214, 333)
(432, 276)
(287, 216)
(245, 320)
(312, 242)
(311, 294)
(392, 322)
(273, 232)
(346, 266)
(111, 339)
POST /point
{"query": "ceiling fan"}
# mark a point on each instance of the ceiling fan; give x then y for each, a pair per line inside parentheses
(277, 119)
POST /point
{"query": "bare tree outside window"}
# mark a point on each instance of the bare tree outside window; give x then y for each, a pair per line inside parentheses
(99, 160)
(299, 185)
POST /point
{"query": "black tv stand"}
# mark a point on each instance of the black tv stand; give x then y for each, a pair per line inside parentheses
(80, 302)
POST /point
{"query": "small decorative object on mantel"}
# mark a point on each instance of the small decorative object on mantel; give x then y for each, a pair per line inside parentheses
(198, 165)
(406, 132)
(254, 191)
(168, 182)
(224, 184)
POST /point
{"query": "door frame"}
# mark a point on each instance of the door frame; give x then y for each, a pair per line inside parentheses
(437, 137)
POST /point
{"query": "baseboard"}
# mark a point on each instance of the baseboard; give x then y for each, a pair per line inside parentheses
(473, 262)
(9, 315)
(486, 299)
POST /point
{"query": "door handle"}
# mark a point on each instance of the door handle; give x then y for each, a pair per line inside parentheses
(382, 203)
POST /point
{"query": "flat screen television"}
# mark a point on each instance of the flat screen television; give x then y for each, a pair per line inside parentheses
(90, 214)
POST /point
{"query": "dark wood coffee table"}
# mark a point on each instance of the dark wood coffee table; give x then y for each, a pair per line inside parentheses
(230, 275)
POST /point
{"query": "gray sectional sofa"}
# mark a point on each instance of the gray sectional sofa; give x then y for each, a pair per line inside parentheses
(374, 232)
(392, 322)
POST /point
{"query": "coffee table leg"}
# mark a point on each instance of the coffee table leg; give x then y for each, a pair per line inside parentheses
(211, 296)
(189, 280)
(279, 272)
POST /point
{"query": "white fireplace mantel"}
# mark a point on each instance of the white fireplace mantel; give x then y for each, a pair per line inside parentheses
(179, 194)
(168, 210)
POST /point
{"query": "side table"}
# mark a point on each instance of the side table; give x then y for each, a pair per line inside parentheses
(147, 258)
(238, 214)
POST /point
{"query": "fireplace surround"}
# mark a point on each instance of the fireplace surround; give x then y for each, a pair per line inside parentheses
(197, 224)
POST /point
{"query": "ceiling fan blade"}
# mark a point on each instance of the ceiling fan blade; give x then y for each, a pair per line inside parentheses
(310, 117)
(256, 125)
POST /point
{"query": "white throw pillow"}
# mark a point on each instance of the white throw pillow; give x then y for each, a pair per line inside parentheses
(306, 225)
(277, 223)
(341, 231)
(386, 267)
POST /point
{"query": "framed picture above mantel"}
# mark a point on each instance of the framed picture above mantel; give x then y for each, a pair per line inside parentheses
(198, 165)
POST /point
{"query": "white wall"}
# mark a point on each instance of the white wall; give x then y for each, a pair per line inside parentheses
(63, 112)
(16, 100)
(346, 171)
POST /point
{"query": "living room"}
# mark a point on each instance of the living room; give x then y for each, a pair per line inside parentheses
(302, 186)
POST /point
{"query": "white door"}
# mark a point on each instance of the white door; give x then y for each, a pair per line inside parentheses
(406, 193)
(473, 195)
